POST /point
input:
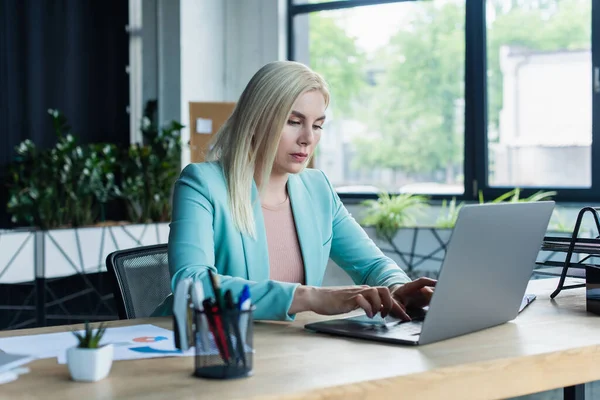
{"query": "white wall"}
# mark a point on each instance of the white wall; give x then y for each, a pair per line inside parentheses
(223, 42)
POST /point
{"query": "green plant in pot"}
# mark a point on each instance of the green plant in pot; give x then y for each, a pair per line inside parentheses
(68, 185)
(150, 171)
(390, 213)
(449, 211)
(448, 214)
(90, 361)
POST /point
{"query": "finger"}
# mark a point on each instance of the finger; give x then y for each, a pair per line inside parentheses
(364, 304)
(426, 294)
(415, 286)
(372, 295)
(398, 311)
(422, 282)
(386, 300)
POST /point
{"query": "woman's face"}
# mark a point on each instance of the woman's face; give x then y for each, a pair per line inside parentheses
(301, 133)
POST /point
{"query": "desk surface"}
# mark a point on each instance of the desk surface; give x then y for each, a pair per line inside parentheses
(552, 344)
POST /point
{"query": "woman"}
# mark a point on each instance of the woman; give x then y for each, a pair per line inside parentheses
(255, 215)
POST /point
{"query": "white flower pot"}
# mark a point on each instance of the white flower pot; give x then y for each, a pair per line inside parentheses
(89, 365)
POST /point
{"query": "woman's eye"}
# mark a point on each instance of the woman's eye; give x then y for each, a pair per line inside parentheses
(319, 127)
(293, 123)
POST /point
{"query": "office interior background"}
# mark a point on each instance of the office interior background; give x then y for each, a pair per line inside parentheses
(455, 101)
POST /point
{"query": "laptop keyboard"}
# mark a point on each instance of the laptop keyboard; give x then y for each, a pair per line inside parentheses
(410, 328)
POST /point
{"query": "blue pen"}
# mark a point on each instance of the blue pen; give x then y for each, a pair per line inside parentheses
(244, 297)
(244, 303)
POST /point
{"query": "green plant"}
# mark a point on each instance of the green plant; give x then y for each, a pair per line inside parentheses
(99, 171)
(72, 185)
(390, 213)
(559, 224)
(448, 214)
(30, 191)
(90, 339)
(67, 185)
(150, 171)
(515, 194)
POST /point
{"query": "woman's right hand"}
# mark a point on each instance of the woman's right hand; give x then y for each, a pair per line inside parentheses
(341, 300)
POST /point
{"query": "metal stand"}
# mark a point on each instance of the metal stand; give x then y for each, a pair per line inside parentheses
(572, 245)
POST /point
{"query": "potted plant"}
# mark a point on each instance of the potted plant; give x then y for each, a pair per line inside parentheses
(393, 219)
(419, 248)
(90, 361)
(73, 204)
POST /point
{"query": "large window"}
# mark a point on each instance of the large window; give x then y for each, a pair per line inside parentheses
(454, 97)
(396, 73)
(539, 64)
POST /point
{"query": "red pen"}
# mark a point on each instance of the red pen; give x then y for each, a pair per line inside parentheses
(221, 332)
(216, 327)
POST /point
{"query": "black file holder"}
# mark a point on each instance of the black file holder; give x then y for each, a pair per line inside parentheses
(571, 245)
(225, 356)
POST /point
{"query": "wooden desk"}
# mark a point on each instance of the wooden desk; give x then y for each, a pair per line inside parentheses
(552, 344)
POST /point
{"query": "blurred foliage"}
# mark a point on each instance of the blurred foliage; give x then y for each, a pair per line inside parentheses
(389, 213)
(409, 93)
(71, 185)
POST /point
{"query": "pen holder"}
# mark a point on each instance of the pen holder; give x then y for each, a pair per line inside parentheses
(223, 344)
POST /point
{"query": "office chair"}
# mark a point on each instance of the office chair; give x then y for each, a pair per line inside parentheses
(141, 279)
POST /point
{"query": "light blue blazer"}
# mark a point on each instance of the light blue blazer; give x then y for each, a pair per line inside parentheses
(203, 236)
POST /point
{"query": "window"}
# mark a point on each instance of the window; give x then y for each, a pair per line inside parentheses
(456, 97)
(539, 97)
(396, 114)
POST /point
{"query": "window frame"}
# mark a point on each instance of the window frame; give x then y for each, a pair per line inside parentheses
(475, 168)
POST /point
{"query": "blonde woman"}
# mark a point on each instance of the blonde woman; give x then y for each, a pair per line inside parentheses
(257, 216)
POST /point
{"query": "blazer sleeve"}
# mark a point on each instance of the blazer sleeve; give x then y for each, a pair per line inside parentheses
(191, 249)
(354, 251)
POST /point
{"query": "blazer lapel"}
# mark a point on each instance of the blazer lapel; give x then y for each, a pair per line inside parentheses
(308, 229)
(256, 250)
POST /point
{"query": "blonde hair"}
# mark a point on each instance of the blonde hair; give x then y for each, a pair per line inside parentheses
(246, 145)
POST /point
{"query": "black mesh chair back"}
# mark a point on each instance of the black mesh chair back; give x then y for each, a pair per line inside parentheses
(141, 279)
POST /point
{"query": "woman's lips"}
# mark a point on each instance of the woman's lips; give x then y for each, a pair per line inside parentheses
(299, 157)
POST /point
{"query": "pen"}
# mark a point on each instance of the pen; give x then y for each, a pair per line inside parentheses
(244, 303)
(216, 327)
(233, 313)
(227, 323)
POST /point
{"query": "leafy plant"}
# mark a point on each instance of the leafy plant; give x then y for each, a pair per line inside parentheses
(32, 192)
(390, 213)
(90, 339)
(150, 171)
(559, 223)
(66, 185)
(72, 185)
(514, 196)
(449, 214)
(450, 210)
(99, 175)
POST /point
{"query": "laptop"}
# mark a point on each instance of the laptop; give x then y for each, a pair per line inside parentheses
(489, 260)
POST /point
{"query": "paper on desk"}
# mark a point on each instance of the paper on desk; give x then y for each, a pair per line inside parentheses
(130, 342)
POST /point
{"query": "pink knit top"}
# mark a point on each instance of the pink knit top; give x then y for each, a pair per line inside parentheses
(285, 257)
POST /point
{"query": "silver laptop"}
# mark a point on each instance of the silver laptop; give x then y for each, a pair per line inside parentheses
(489, 261)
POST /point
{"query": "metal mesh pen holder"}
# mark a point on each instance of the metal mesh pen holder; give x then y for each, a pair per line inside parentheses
(223, 343)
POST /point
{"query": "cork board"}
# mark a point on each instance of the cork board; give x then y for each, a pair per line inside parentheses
(205, 121)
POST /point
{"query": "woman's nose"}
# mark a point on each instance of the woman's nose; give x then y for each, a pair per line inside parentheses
(307, 137)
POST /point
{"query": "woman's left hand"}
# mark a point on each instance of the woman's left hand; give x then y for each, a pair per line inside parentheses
(415, 294)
